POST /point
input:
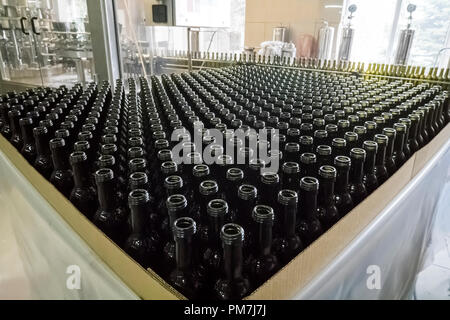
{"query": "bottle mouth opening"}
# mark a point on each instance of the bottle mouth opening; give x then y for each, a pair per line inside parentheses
(232, 234)
(235, 174)
(257, 164)
(328, 172)
(359, 130)
(291, 167)
(323, 150)
(57, 143)
(370, 146)
(339, 142)
(247, 192)
(138, 197)
(184, 227)
(169, 167)
(358, 153)
(308, 158)
(103, 175)
(161, 144)
(400, 127)
(138, 178)
(40, 130)
(390, 132)
(270, 178)
(351, 136)
(165, 155)
(342, 161)
(263, 214)
(173, 182)
(217, 207)
(200, 170)
(193, 158)
(78, 156)
(370, 125)
(224, 160)
(135, 152)
(309, 184)
(208, 187)
(287, 197)
(306, 140)
(292, 147)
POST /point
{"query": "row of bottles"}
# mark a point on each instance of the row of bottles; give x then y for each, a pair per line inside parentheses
(223, 228)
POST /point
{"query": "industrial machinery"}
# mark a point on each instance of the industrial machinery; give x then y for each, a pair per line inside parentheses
(325, 42)
(347, 36)
(405, 40)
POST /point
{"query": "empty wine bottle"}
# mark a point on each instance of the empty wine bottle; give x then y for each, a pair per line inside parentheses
(309, 227)
(62, 176)
(291, 175)
(412, 139)
(16, 135)
(83, 195)
(139, 245)
(399, 154)
(327, 212)
(370, 179)
(185, 276)
(28, 149)
(110, 217)
(264, 263)
(343, 199)
(212, 257)
(381, 171)
(176, 208)
(233, 285)
(287, 243)
(43, 162)
(390, 162)
(356, 186)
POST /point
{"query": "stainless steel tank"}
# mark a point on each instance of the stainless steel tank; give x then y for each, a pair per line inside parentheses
(345, 48)
(404, 46)
(326, 37)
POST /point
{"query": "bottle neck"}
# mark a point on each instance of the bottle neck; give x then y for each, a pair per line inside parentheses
(399, 142)
(233, 261)
(215, 225)
(342, 180)
(244, 210)
(81, 174)
(42, 146)
(268, 191)
(381, 155)
(390, 148)
(138, 218)
(106, 195)
(27, 134)
(356, 171)
(60, 161)
(265, 238)
(413, 130)
(308, 200)
(183, 249)
(288, 219)
(369, 165)
(326, 191)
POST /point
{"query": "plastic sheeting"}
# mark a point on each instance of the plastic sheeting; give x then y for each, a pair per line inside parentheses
(52, 255)
(381, 263)
(384, 260)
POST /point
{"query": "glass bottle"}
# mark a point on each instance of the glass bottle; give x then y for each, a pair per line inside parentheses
(356, 186)
(343, 199)
(287, 243)
(83, 195)
(139, 245)
(61, 177)
(185, 277)
(233, 285)
(264, 263)
(381, 171)
(309, 227)
(413, 131)
(370, 179)
(110, 217)
(291, 175)
(327, 212)
(16, 136)
(270, 185)
(390, 162)
(43, 163)
(399, 154)
(29, 149)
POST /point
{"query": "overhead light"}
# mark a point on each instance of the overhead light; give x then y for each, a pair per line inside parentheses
(333, 6)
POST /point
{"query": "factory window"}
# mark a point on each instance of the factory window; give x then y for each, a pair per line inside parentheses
(378, 23)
